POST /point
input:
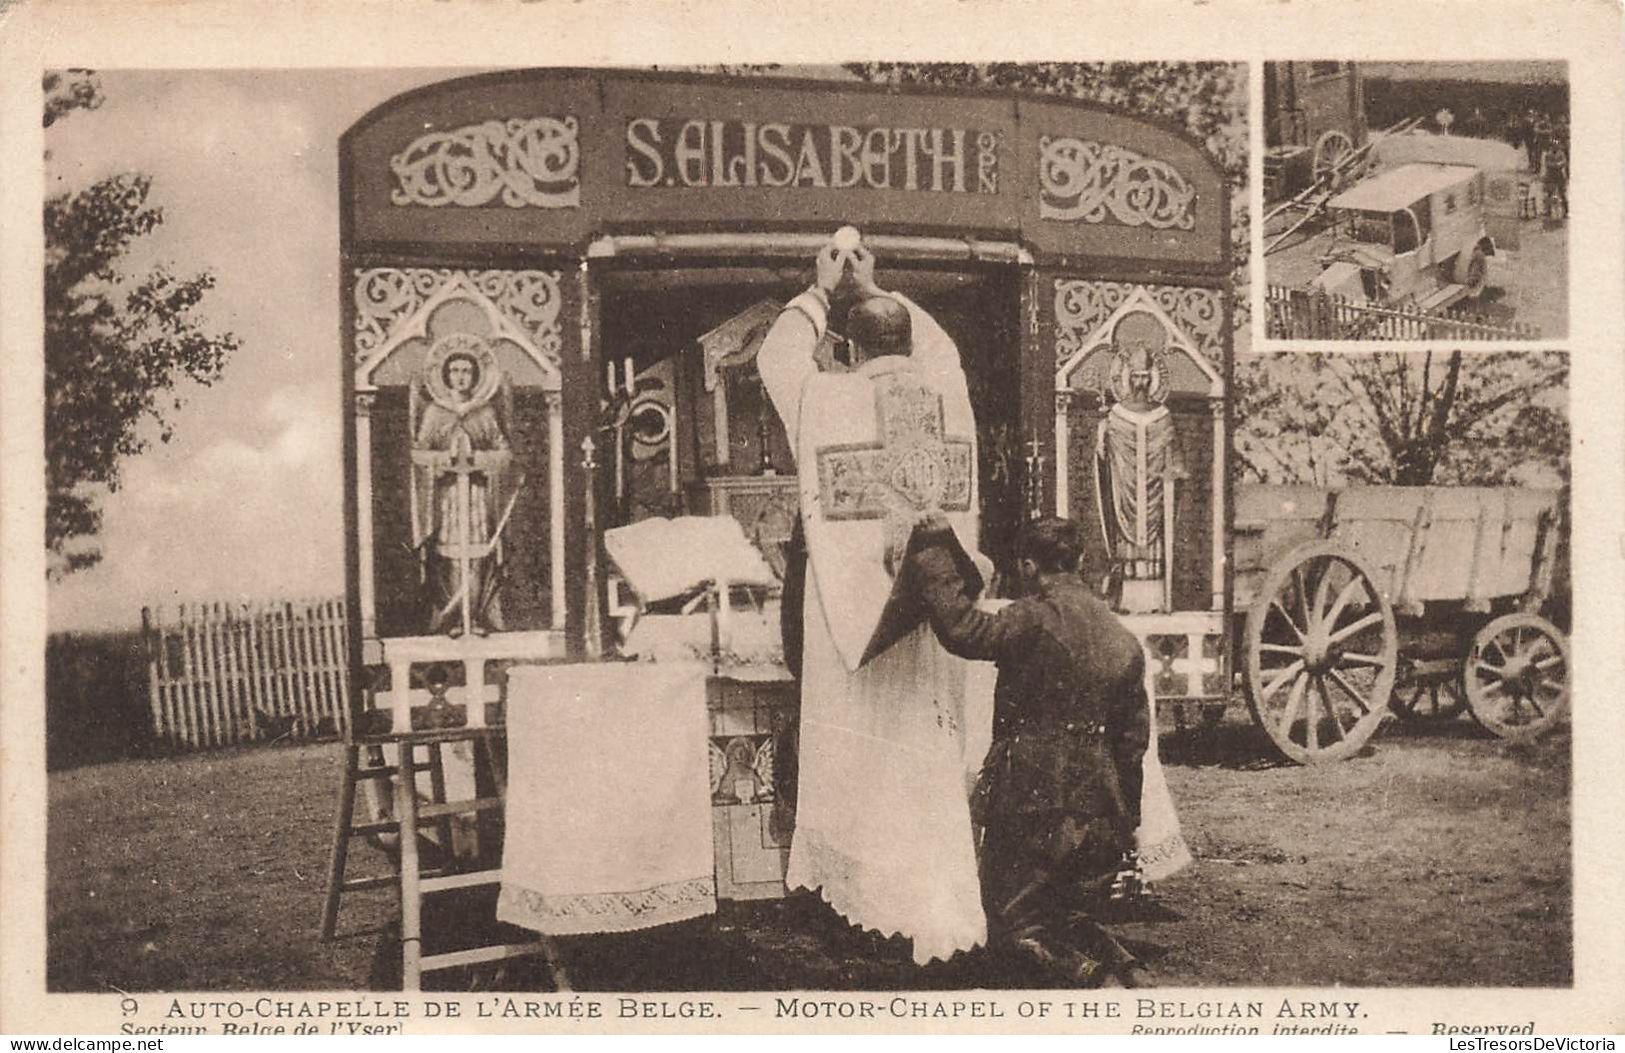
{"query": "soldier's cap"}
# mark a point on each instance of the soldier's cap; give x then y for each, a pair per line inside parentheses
(880, 326)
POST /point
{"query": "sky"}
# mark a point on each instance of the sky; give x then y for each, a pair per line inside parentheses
(246, 500)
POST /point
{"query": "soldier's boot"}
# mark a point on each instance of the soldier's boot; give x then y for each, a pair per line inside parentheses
(1119, 965)
(1057, 956)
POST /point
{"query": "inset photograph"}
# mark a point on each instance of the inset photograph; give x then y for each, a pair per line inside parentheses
(1401, 560)
(1416, 200)
(1401, 550)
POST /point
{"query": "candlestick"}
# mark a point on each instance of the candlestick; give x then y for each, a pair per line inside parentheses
(609, 372)
(631, 381)
(592, 634)
(1033, 481)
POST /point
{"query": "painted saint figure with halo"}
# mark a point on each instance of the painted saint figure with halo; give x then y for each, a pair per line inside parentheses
(461, 406)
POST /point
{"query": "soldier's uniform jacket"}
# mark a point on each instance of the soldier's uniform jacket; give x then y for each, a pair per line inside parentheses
(1070, 720)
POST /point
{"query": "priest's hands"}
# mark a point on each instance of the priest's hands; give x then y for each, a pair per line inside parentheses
(846, 267)
(831, 263)
(863, 272)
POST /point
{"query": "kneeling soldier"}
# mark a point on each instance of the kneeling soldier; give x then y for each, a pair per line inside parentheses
(1059, 793)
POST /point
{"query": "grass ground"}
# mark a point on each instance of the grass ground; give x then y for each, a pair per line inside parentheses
(1439, 858)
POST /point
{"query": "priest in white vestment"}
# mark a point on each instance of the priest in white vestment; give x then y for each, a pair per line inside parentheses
(883, 827)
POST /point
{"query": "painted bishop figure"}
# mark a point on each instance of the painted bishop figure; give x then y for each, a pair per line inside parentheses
(883, 828)
(1137, 465)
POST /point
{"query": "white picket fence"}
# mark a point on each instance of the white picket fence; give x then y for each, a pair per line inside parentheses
(225, 673)
(1302, 314)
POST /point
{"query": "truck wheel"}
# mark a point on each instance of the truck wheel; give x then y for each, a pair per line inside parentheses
(1471, 269)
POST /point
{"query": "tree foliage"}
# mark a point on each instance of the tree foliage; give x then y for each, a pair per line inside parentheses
(1207, 99)
(73, 89)
(116, 344)
(1404, 418)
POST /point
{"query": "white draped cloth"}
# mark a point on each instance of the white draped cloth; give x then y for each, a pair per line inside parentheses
(609, 797)
(883, 829)
(883, 825)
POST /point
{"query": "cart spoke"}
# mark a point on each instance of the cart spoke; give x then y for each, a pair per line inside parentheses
(1552, 685)
(1375, 661)
(1359, 699)
(1276, 604)
(1540, 648)
(1549, 663)
(1374, 618)
(1490, 668)
(1303, 595)
(1287, 673)
(1297, 700)
(1331, 710)
(1343, 598)
(1554, 693)
(1275, 648)
(1322, 588)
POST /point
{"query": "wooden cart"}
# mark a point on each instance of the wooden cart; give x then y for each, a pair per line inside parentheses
(1358, 604)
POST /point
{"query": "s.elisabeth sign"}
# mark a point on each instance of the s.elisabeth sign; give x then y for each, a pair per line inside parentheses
(557, 157)
(729, 153)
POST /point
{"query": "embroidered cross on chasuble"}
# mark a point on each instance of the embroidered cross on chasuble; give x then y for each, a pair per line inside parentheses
(912, 471)
(871, 494)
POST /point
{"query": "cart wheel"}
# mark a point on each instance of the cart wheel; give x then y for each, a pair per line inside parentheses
(1322, 651)
(1330, 149)
(1429, 700)
(1517, 676)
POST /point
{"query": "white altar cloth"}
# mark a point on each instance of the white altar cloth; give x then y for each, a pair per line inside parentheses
(609, 798)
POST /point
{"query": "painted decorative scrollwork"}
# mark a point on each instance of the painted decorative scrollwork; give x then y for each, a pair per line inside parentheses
(386, 296)
(532, 161)
(1089, 182)
(1081, 306)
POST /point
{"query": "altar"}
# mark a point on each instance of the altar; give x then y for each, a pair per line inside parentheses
(555, 284)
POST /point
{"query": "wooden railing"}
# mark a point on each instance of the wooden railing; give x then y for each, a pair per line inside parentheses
(220, 674)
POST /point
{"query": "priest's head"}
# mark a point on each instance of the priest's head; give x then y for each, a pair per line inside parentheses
(877, 326)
